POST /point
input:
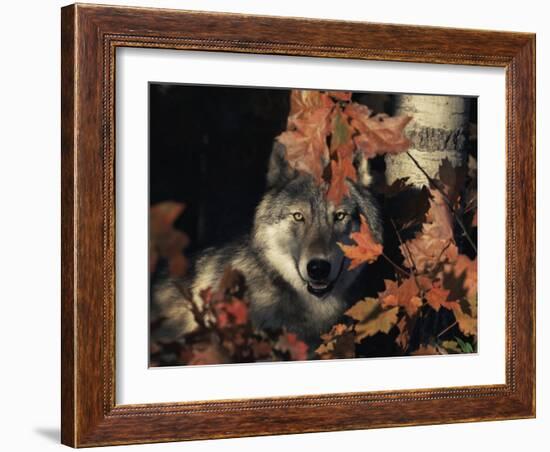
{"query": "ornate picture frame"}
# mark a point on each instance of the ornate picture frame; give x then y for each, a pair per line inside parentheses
(90, 36)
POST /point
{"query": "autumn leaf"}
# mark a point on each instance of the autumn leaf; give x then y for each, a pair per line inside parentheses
(306, 145)
(289, 343)
(341, 170)
(338, 343)
(166, 242)
(340, 95)
(466, 269)
(231, 313)
(379, 134)
(437, 296)
(404, 295)
(366, 250)
(372, 318)
(435, 243)
(466, 323)
(303, 101)
(405, 326)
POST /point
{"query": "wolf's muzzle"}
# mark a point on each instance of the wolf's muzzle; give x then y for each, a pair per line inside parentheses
(318, 269)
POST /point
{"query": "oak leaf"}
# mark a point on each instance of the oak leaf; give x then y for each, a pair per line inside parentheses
(306, 147)
(303, 101)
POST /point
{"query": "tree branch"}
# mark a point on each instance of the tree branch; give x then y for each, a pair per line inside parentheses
(434, 183)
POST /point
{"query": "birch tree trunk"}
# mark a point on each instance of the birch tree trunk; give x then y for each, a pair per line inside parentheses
(438, 130)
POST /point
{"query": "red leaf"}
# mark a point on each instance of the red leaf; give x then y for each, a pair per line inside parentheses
(366, 250)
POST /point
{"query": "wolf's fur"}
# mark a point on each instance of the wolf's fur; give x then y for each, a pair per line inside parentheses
(274, 256)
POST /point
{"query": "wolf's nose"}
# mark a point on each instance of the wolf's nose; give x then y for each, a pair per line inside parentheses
(318, 269)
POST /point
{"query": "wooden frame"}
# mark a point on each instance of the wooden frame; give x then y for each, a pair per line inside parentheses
(90, 35)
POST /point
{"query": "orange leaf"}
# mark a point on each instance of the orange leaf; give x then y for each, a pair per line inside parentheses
(306, 142)
(437, 297)
(405, 295)
(366, 250)
(302, 100)
(341, 170)
(379, 134)
(434, 244)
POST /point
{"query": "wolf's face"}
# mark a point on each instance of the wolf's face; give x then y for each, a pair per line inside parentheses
(297, 230)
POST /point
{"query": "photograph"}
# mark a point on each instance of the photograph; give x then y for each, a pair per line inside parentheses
(299, 224)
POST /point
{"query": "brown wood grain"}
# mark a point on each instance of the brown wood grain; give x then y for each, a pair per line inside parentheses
(90, 36)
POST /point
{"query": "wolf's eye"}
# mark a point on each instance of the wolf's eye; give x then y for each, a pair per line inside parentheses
(298, 216)
(339, 216)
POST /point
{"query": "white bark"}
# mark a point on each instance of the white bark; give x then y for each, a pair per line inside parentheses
(438, 130)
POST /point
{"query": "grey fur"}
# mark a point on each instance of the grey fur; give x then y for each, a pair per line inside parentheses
(274, 256)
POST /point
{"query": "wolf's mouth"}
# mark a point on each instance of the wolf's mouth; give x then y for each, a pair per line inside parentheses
(319, 289)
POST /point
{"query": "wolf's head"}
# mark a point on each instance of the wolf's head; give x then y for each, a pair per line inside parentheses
(296, 230)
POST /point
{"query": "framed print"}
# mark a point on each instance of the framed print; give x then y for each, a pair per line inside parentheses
(281, 225)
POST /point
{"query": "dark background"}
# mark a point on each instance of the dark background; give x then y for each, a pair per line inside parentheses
(209, 147)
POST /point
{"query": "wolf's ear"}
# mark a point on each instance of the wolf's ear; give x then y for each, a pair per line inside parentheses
(365, 200)
(278, 170)
(364, 176)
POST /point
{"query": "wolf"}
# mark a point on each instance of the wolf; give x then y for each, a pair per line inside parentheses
(296, 275)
